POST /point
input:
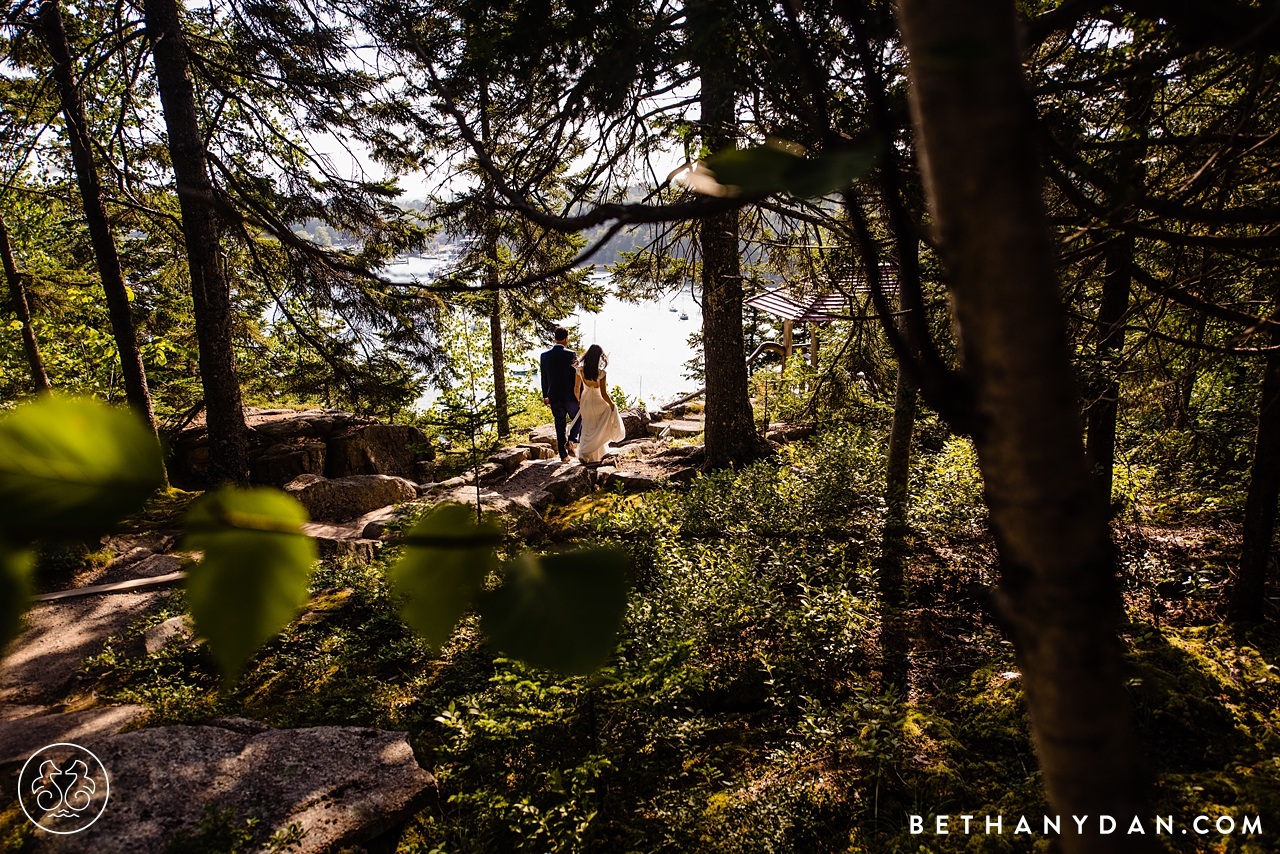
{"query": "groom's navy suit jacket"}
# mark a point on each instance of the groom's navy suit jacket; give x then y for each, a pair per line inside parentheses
(557, 387)
(558, 373)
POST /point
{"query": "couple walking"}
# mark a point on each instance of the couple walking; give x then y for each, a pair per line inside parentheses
(576, 388)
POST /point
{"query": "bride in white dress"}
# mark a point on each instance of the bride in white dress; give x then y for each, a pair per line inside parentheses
(601, 423)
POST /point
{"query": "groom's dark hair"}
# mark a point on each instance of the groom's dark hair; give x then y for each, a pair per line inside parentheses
(562, 334)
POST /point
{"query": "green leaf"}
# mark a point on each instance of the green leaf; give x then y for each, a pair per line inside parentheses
(776, 167)
(254, 575)
(761, 168)
(560, 611)
(446, 560)
(15, 590)
(73, 467)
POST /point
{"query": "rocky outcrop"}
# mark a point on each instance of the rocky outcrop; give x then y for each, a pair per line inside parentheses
(511, 458)
(569, 483)
(346, 498)
(341, 786)
(516, 514)
(281, 463)
(788, 431)
(610, 478)
(178, 629)
(544, 435)
(392, 449)
(284, 444)
(24, 734)
(636, 421)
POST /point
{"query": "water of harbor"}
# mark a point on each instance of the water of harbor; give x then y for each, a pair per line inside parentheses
(647, 343)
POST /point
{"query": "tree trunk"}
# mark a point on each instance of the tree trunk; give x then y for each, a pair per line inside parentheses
(1249, 589)
(18, 296)
(132, 369)
(1113, 310)
(1057, 595)
(891, 578)
(499, 368)
(730, 431)
(491, 276)
(1111, 316)
(210, 292)
(894, 640)
(1185, 382)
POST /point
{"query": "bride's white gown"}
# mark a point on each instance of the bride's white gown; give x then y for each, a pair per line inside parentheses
(601, 424)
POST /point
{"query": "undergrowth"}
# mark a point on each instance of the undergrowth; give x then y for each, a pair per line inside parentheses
(744, 710)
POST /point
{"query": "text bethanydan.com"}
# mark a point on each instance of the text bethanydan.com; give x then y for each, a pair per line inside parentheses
(1202, 825)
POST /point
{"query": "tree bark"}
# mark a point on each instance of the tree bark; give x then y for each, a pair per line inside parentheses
(894, 640)
(107, 258)
(730, 430)
(1057, 595)
(891, 577)
(210, 292)
(1101, 417)
(491, 275)
(1249, 589)
(1117, 284)
(18, 297)
(499, 368)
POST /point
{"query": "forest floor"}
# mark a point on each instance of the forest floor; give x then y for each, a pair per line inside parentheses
(745, 710)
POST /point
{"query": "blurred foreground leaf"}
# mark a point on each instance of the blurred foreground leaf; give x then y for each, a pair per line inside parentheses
(72, 467)
(560, 611)
(255, 572)
(772, 167)
(447, 558)
(15, 590)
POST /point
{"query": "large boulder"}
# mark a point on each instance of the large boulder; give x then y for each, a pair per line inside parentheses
(268, 430)
(543, 435)
(510, 458)
(515, 514)
(569, 483)
(377, 449)
(636, 421)
(346, 498)
(24, 734)
(540, 451)
(341, 786)
(281, 463)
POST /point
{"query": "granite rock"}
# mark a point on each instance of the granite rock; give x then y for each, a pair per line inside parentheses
(346, 498)
(342, 786)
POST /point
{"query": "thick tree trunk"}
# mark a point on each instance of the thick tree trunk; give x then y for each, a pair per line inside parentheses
(1058, 593)
(1260, 503)
(18, 298)
(210, 292)
(730, 431)
(132, 369)
(1111, 316)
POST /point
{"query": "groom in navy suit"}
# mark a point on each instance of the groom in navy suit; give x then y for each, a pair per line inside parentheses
(557, 391)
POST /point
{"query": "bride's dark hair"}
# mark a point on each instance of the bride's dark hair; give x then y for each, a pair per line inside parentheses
(593, 361)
